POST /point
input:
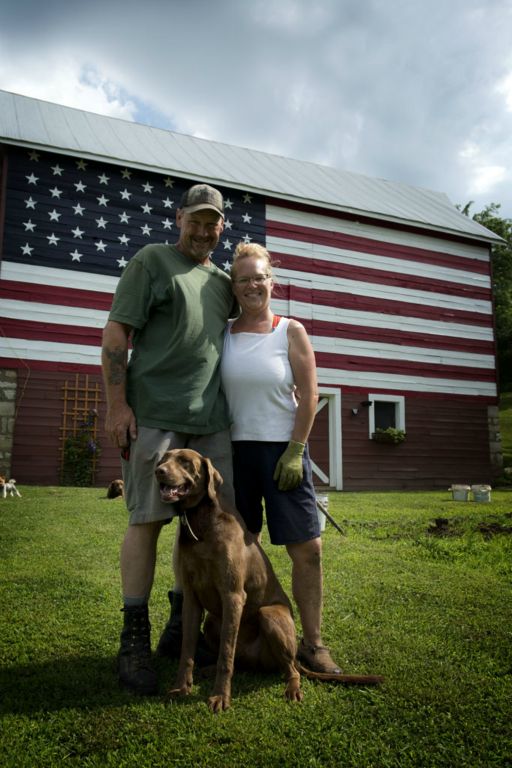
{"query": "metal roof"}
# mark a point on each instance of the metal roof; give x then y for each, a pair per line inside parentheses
(40, 124)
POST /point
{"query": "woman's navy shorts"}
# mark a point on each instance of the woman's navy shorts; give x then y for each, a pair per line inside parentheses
(291, 515)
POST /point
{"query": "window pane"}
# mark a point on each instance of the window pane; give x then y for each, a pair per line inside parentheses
(385, 414)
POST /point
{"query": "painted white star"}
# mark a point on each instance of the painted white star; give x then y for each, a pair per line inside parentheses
(75, 255)
(57, 170)
(78, 209)
(167, 224)
(228, 204)
(29, 226)
(247, 219)
(102, 200)
(228, 224)
(26, 250)
(122, 262)
(101, 246)
(147, 187)
(169, 182)
(125, 194)
(81, 165)
(168, 203)
(123, 239)
(80, 186)
(34, 156)
(56, 192)
(227, 245)
(77, 232)
(146, 208)
(30, 203)
(54, 215)
(247, 239)
(104, 179)
(101, 223)
(126, 174)
(124, 218)
(32, 179)
(227, 266)
(52, 239)
(247, 198)
(146, 230)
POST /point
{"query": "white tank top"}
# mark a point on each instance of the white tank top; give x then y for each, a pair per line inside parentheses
(258, 382)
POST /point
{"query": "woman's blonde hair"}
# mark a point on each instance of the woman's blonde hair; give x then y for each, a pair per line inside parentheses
(244, 250)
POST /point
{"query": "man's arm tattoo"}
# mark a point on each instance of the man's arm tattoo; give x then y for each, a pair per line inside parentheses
(117, 365)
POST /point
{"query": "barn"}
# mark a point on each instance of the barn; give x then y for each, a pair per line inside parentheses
(392, 283)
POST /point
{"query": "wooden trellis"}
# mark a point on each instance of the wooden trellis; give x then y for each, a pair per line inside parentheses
(81, 400)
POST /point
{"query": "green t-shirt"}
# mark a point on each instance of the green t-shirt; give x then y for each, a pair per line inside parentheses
(178, 310)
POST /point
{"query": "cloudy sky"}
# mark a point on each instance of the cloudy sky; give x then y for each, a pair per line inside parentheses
(415, 91)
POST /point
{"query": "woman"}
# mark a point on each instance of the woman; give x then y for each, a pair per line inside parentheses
(266, 361)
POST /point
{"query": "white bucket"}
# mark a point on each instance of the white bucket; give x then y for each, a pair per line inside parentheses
(460, 492)
(481, 492)
(324, 501)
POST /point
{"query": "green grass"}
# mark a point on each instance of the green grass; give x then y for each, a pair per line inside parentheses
(431, 613)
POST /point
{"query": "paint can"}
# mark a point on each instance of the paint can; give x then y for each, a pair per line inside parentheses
(460, 492)
(481, 492)
(322, 501)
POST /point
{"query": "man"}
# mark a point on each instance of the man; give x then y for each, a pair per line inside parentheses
(173, 303)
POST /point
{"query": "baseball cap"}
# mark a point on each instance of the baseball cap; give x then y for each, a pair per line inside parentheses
(202, 196)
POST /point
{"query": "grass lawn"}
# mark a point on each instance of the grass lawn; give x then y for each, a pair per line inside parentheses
(432, 611)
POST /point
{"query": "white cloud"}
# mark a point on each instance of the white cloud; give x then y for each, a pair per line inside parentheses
(65, 81)
(485, 178)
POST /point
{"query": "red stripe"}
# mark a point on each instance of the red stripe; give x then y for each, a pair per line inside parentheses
(317, 266)
(391, 336)
(51, 294)
(402, 367)
(53, 332)
(384, 307)
(368, 245)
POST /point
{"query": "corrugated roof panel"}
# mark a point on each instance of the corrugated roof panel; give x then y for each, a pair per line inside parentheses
(50, 126)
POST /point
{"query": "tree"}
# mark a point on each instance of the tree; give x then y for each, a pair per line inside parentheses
(501, 259)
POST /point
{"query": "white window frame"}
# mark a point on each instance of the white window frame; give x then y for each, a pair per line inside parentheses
(398, 400)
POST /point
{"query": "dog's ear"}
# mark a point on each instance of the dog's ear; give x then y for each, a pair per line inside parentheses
(213, 479)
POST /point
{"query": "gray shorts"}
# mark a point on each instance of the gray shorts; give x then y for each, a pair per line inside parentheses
(141, 490)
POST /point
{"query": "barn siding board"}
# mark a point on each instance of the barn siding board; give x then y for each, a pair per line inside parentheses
(447, 442)
(37, 438)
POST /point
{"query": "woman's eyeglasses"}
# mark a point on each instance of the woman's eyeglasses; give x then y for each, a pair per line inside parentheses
(257, 279)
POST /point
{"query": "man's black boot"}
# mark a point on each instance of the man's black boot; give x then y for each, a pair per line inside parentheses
(135, 668)
(170, 641)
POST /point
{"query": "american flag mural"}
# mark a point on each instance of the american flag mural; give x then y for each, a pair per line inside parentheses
(388, 309)
(71, 226)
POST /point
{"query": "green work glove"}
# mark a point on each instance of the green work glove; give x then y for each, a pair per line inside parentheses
(288, 471)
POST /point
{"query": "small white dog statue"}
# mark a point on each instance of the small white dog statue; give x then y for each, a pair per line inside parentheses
(10, 487)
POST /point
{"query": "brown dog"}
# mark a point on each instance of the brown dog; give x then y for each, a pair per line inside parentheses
(115, 490)
(249, 617)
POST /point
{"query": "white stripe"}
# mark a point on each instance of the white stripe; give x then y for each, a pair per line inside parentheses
(382, 292)
(380, 234)
(65, 278)
(362, 319)
(374, 261)
(50, 351)
(358, 348)
(37, 312)
(373, 380)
